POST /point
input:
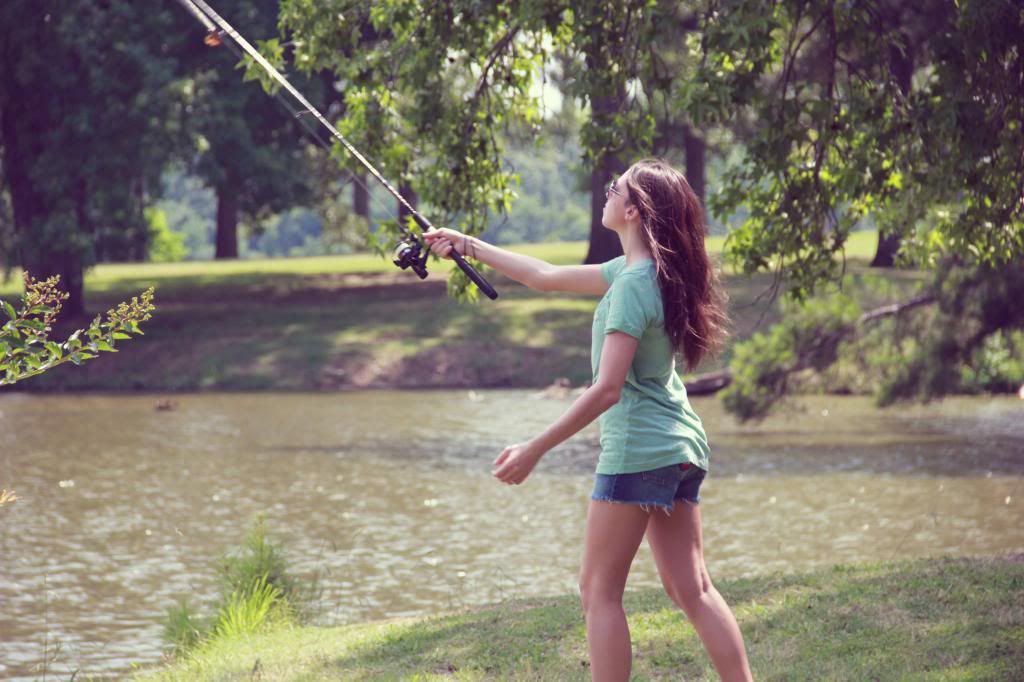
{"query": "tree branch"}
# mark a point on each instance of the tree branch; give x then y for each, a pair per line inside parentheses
(895, 308)
(712, 382)
(498, 48)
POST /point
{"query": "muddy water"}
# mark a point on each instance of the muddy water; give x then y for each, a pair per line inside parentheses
(123, 508)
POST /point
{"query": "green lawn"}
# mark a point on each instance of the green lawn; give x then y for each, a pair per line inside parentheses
(930, 619)
(197, 277)
(330, 323)
(125, 279)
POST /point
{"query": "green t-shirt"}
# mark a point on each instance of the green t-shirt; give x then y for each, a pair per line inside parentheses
(653, 424)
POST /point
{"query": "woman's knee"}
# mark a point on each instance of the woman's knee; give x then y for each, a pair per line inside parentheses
(594, 592)
(689, 593)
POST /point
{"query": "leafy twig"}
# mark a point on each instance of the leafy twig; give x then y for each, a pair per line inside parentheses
(25, 349)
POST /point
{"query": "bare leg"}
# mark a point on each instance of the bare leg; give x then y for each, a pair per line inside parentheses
(678, 550)
(613, 534)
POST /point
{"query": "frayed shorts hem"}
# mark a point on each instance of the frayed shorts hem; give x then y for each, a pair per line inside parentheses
(660, 488)
(646, 506)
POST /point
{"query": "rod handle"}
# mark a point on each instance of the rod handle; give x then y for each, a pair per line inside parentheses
(471, 272)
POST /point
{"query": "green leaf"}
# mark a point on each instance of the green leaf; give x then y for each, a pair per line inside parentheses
(9, 309)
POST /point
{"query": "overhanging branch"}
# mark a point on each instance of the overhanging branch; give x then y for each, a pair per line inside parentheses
(712, 382)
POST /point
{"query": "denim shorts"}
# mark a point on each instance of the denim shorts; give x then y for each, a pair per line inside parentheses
(658, 487)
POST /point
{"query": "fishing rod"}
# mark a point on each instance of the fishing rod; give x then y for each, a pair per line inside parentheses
(410, 252)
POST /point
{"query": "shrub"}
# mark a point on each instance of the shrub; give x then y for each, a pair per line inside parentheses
(256, 591)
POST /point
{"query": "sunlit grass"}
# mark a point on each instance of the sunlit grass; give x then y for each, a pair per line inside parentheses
(120, 279)
(246, 611)
(326, 322)
(116, 278)
(941, 619)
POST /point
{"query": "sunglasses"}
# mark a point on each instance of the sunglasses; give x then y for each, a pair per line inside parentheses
(611, 190)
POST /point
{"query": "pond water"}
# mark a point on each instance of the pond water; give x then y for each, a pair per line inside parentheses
(123, 508)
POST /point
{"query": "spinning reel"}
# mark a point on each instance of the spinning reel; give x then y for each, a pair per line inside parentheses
(407, 255)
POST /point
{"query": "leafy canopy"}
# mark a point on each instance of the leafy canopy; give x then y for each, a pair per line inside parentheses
(912, 113)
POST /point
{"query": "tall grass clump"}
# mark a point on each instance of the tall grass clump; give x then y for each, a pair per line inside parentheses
(256, 593)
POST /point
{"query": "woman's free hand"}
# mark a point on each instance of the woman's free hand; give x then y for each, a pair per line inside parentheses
(516, 462)
(443, 240)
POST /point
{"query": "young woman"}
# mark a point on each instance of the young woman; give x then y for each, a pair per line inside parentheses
(660, 299)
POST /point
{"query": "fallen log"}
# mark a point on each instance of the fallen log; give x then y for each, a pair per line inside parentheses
(708, 383)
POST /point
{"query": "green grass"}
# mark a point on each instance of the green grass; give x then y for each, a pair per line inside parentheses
(354, 321)
(926, 619)
(124, 279)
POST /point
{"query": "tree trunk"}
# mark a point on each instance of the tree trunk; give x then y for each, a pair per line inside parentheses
(29, 207)
(227, 224)
(72, 275)
(885, 253)
(604, 243)
(80, 194)
(361, 197)
(68, 265)
(694, 148)
(902, 66)
(140, 239)
(409, 195)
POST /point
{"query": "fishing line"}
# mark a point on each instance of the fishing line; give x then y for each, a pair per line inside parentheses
(214, 40)
(410, 252)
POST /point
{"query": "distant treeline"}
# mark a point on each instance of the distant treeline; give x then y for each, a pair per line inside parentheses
(552, 205)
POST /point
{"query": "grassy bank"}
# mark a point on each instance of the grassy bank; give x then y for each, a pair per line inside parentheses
(357, 321)
(928, 619)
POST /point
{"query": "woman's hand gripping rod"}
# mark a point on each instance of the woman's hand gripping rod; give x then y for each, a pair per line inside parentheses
(407, 254)
(410, 252)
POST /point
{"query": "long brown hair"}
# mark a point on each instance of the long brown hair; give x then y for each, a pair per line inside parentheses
(672, 226)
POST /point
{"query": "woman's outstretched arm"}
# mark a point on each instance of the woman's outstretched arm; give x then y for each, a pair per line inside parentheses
(533, 272)
(523, 269)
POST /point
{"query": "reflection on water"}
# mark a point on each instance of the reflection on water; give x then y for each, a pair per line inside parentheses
(388, 495)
